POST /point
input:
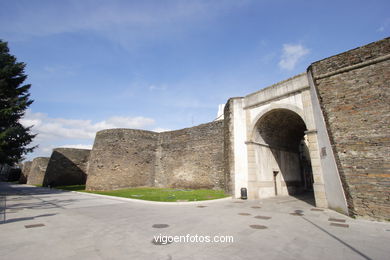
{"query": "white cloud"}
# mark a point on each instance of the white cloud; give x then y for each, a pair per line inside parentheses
(61, 132)
(292, 54)
(384, 26)
(124, 122)
(46, 150)
(160, 129)
(78, 146)
(52, 128)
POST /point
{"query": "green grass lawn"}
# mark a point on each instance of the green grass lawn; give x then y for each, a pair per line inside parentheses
(156, 194)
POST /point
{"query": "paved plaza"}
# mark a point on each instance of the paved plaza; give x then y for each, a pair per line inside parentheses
(53, 224)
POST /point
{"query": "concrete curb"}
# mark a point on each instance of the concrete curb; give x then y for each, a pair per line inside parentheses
(137, 200)
(154, 202)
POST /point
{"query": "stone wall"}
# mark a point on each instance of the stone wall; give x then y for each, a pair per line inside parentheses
(26, 167)
(122, 158)
(37, 171)
(228, 147)
(67, 166)
(191, 157)
(354, 94)
(187, 158)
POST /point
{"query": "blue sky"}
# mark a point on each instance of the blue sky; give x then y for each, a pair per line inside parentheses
(165, 65)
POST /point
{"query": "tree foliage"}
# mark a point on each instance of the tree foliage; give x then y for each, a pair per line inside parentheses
(14, 100)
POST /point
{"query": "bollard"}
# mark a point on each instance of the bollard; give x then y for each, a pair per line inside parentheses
(244, 195)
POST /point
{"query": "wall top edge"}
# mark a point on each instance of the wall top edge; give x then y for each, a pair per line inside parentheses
(359, 55)
(276, 85)
(70, 149)
(129, 130)
(41, 157)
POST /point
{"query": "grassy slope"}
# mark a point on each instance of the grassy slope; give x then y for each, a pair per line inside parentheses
(156, 194)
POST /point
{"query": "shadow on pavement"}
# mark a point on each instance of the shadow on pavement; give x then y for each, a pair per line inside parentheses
(28, 218)
(42, 204)
(307, 197)
(12, 189)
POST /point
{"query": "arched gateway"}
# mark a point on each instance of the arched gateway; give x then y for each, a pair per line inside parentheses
(272, 145)
(279, 138)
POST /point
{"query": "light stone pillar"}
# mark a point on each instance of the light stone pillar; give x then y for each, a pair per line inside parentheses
(318, 185)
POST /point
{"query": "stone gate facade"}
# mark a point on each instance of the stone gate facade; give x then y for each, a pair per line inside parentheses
(266, 130)
(338, 112)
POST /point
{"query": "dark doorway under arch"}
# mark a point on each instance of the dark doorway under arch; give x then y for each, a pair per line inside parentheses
(281, 132)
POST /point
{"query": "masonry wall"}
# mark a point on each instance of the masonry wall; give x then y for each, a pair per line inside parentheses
(67, 166)
(122, 158)
(353, 89)
(37, 171)
(228, 156)
(26, 167)
(187, 158)
(191, 158)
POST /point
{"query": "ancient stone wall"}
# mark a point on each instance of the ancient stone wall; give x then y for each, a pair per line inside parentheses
(26, 167)
(67, 166)
(122, 158)
(354, 94)
(191, 157)
(37, 171)
(187, 158)
(228, 147)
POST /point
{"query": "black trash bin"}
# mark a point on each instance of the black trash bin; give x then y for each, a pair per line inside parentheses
(244, 195)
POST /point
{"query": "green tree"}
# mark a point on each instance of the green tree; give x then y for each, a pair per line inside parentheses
(14, 100)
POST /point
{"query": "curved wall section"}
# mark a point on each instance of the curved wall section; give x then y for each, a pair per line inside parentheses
(122, 158)
(25, 171)
(67, 166)
(187, 158)
(191, 157)
(37, 171)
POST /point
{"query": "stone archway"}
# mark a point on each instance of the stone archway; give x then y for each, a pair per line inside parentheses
(279, 161)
